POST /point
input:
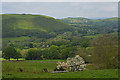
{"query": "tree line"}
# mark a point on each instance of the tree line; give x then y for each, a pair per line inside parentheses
(103, 52)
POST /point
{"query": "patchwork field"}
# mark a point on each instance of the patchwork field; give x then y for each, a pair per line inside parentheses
(33, 69)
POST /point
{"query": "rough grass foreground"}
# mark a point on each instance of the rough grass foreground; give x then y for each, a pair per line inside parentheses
(33, 69)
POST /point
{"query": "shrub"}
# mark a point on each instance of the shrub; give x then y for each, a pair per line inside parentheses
(34, 54)
(105, 53)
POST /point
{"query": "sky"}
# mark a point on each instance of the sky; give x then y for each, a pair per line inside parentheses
(60, 0)
(62, 9)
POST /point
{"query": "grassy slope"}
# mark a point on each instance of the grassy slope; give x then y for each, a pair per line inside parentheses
(12, 39)
(81, 20)
(15, 26)
(16, 38)
(25, 23)
(110, 22)
(33, 69)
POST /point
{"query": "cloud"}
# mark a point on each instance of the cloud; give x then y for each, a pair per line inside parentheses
(63, 9)
(60, 0)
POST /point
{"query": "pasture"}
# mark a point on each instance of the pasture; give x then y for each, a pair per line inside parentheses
(33, 69)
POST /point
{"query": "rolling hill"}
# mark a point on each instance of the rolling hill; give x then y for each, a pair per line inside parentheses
(22, 29)
(91, 26)
(16, 25)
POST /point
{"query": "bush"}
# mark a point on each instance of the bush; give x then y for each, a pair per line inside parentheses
(105, 55)
(34, 54)
(85, 54)
(11, 52)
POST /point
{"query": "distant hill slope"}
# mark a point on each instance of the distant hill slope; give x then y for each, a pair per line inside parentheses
(71, 20)
(82, 20)
(16, 25)
(85, 25)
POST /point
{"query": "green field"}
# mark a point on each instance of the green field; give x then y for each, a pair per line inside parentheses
(16, 38)
(5, 41)
(33, 69)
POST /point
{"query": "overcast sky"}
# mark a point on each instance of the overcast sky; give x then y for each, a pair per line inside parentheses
(63, 9)
(60, 0)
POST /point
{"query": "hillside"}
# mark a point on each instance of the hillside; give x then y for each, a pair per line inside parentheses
(92, 27)
(16, 25)
(73, 21)
(26, 31)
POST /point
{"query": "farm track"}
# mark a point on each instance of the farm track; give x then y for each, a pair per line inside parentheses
(41, 61)
(31, 61)
(35, 61)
